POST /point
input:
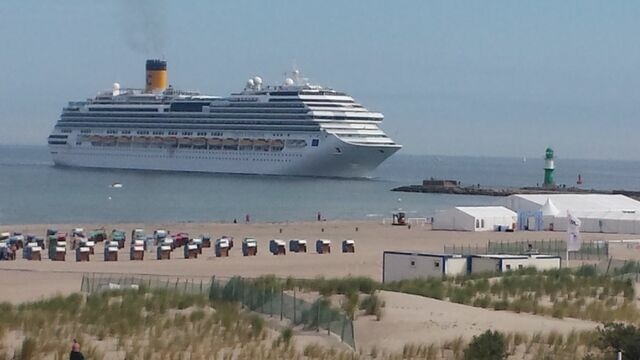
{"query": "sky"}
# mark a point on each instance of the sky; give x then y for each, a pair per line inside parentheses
(479, 78)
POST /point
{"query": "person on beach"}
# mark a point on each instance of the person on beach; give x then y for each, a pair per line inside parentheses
(75, 351)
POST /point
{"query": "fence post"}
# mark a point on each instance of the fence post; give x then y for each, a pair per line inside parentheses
(271, 303)
(344, 319)
(294, 307)
(82, 284)
(281, 302)
(318, 316)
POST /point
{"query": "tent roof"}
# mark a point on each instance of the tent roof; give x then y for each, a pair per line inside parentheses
(486, 211)
(583, 202)
(549, 209)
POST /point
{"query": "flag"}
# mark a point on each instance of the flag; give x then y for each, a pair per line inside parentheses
(573, 233)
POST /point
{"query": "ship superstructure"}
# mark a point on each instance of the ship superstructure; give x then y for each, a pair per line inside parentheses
(291, 129)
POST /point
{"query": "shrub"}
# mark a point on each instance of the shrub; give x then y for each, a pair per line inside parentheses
(372, 305)
(490, 345)
(620, 337)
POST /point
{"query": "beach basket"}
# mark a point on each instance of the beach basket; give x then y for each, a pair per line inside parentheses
(323, 246)
(163, 252)
(277, 247)
(348, 246)
(249, 247)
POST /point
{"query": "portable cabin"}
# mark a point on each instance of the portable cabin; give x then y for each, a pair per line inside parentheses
(119, 236)
(190, 251)
(323, 246)
(404, 265)
(249, 247)
(348, 246)
(82, 254)
(163, 252)
(476, 218)
(206, 240)
(32, 252)
(136, 252)
(222, 247)
(297, 245)
(198, 243)
(277, 247)
(506, 262)
(111, 251)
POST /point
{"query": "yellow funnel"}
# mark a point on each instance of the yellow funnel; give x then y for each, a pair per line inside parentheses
(156, 76)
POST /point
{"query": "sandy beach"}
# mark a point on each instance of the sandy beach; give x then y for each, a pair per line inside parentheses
(411, 319)
(32, 279)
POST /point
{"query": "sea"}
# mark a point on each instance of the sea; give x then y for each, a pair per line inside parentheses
(34, 191)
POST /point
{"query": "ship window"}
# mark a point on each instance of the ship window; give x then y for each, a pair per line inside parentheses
(315, 142)
(86, 131)
(126, 131)
(65, 131)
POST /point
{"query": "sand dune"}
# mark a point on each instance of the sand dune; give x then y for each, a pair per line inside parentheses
(415, 319)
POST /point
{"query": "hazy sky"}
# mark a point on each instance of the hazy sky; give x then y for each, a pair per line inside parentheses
(494, 78)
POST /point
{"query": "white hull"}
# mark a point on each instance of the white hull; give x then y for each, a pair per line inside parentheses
(352, 160)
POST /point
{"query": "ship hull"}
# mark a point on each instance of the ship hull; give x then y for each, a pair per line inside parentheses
(333, 157)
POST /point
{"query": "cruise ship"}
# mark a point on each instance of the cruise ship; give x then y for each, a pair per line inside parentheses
(296, 128)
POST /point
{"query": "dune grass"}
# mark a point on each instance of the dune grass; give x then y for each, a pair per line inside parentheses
(581, 293)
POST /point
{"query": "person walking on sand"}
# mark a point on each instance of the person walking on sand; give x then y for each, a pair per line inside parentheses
(75, 351)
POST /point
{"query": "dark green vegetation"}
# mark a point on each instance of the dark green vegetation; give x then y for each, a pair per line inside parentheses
(581, 293)
(490, 345)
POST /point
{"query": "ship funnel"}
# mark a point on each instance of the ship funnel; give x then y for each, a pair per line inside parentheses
(156, 76)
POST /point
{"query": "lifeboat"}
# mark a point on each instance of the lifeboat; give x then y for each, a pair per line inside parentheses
(261, 145)
(124, 139)
(277, 145)
(298, 143)
(214, 143)
(109, 140)
(96, 140)
(231, 144)
(184, 142)
(140, 139)
(172, 140)
(200, 143)
(157, 140)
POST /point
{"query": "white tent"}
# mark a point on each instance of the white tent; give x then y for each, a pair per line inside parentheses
(597, 212)
(475, 218)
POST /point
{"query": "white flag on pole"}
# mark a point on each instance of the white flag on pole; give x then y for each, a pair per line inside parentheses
(573, 233)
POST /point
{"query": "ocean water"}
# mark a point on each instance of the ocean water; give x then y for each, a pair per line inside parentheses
(32, 190)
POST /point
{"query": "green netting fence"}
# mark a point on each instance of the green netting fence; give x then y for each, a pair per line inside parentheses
(590, 250)
(270, 298)
(267, 297)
